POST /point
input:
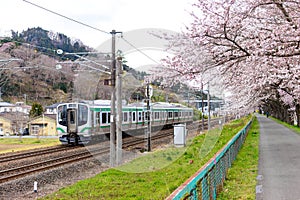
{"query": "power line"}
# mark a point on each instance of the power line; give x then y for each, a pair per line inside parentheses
(139, 50)
(55, 51)
(73, 20)
(32, 45)
(84, 24)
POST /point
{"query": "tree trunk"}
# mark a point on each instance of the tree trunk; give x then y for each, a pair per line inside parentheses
(298, 114)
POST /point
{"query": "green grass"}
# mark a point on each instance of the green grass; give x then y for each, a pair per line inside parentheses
(161, 172)
(292, 127)
(21, 144)
(240, 182)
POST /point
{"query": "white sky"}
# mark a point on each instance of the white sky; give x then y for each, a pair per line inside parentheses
(121, 15)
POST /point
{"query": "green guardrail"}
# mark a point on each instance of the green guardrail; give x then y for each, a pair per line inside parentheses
(208, 181)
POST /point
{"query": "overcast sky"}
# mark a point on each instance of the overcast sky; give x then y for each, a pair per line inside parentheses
(122, 15)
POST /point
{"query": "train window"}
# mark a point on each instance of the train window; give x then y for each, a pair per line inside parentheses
(133, 117)
(82, 115)
(140, 116)
(108, 117)
(156, 115)
(125, 116)
(179, 114)
(72, 105)
(170, 115)
(97, 117)
(175, 114)
(62, 115)
(72, 115)
(130, 116)
(104, 118)
(143, 116)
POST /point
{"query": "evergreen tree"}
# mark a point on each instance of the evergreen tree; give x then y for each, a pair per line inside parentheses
(36, 110)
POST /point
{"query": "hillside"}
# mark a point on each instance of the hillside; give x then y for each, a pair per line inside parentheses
(31, 70)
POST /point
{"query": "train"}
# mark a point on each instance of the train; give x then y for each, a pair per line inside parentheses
(81, 122)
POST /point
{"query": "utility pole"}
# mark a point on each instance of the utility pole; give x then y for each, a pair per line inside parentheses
(1, 94)
(202, 103)
(148, 95)
(113, 102)
(119, 110)
(208, 105)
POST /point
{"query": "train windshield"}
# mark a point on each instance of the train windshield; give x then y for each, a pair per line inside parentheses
(82, 114)
(62, 115)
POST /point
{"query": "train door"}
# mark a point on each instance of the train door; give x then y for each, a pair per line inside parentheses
(72, 121)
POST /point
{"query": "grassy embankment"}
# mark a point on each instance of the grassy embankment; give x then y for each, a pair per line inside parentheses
(179, 165)
(241, 179)
(20, 144)
(292, 127)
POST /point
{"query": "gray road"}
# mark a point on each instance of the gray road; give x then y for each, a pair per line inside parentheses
(279, 162)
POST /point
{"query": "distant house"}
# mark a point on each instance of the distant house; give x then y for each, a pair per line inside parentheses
(44, 125)
(6, 107)
(22, 107)
(18, 107)
(52, 109)
(5, 126)
(18, 121)
(14, 119)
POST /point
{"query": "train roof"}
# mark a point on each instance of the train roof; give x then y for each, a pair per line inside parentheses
(158, 105)
(106, 103)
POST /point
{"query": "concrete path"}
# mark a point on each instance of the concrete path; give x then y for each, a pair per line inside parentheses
(279, 162)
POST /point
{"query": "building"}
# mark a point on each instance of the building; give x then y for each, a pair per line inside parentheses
(5, 126)
(13, 123)
(6, 107)
(44, 125)
(52, 109)
(14, 119)
(18, 107)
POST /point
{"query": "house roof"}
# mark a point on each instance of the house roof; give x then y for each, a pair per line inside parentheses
(46, 117)
(52, 116)
(53, 105)
(4, 118)
(19, 116)
(6, 104)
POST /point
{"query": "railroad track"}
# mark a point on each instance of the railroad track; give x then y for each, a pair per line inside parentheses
(25, 170)
(32, 153)
(21, 171)
(195, 126)
(14, 173)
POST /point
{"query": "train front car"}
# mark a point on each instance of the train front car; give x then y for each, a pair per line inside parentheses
(73, 123)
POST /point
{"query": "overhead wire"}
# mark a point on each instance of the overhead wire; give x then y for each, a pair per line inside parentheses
(75, 54)
(68, 18)
(137, 49)
(92, 27)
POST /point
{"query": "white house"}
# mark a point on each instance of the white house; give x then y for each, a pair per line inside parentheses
(18, 107)
(51, 110)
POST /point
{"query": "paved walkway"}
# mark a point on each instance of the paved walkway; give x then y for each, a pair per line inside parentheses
(279, 162)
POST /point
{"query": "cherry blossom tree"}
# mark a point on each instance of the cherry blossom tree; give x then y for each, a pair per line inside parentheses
(252, 45)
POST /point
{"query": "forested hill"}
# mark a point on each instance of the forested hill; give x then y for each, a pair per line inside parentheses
(46, 41)
(29, 69)
(28, 66)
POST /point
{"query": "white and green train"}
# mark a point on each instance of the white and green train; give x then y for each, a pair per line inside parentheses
(79, 123)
